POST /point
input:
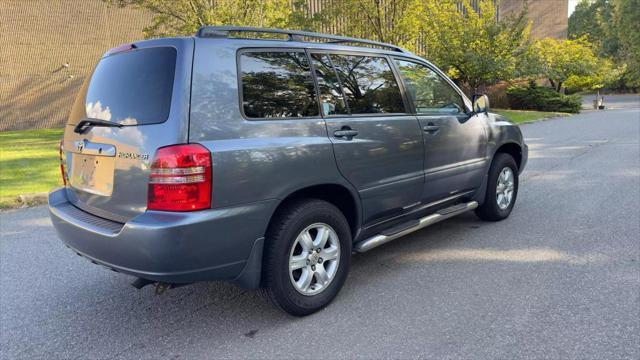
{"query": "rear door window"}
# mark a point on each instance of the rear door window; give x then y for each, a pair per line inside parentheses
(331, 96)
(133, 87)
(429, 92)
(277, 84)
(369, 84)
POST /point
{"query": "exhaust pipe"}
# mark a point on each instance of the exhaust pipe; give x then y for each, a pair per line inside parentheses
(160, 287)
(139, 283)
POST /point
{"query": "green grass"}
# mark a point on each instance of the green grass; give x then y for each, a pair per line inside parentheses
(28, 163)
(524, 116)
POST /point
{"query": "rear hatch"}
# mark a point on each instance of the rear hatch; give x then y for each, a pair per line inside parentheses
(135, 101)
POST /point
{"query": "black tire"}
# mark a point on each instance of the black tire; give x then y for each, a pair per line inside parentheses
(489, 210)
(281, 236)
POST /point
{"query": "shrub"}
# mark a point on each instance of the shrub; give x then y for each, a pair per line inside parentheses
(497, 93)
(542, 99)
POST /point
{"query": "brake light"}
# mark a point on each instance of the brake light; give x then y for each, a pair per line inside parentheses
(120, 48)
(63, 171)
(180, 179)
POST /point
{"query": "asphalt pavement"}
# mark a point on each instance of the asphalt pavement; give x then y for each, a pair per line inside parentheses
(558, 279)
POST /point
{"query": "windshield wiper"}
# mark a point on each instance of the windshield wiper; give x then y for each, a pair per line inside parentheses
(86, 124)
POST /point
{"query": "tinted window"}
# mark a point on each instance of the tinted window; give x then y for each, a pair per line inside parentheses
(277, 85)
(369, 84)
(429, 92)
(133, 87)
(331, 98)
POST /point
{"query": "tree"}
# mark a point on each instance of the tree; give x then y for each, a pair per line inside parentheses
(594, 20)
(390, 21)
(463, 37)
(472, 45)
(613, 26)
(606, 75)
(184, 17)
(560, 60)
(627, 20)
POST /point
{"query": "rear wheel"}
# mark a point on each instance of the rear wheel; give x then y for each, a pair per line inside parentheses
(307, 256)
(502, 189)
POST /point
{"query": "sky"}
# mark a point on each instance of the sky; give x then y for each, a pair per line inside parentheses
(572, 5)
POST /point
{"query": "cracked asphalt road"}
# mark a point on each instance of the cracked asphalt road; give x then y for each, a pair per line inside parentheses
(559, 279)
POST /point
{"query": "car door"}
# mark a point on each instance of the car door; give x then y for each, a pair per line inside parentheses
(454, 138)
(377, 144)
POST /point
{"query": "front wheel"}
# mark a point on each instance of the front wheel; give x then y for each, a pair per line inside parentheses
(307, 256)
(502, 189)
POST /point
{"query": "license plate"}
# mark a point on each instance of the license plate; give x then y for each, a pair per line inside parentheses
(93, 174)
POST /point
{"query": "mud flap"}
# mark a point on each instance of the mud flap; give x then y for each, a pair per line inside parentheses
(251, 275)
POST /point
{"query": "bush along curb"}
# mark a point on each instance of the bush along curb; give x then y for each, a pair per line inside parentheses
(542, 99)
(24, 200)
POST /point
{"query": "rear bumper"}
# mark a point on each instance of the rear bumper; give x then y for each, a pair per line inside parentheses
(216, 244)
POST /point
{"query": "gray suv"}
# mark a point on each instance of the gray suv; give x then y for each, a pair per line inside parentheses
(268, 161)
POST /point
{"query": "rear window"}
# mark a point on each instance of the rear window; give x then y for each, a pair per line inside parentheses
(369, 84)
(133, 88)
(277, 85)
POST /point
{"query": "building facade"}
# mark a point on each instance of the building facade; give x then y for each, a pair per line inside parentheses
(48, 47)
(549, 18)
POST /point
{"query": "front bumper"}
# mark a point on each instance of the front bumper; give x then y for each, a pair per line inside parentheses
(216, 244)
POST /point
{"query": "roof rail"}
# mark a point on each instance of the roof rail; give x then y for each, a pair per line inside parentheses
(293, 35)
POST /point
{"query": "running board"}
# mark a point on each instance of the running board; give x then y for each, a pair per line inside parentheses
(438, 216)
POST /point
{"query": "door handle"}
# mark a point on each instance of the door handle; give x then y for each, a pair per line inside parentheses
(346, 133)
(431, 128)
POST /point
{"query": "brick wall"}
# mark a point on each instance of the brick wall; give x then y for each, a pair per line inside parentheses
(37, 37)
(549, 18)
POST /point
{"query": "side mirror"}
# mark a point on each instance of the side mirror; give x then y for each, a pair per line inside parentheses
(480, 103)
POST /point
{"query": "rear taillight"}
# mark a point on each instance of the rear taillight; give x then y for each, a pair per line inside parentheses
(63, 171)
(180, 179)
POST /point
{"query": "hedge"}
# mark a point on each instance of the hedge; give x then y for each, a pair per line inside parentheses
(542, 99)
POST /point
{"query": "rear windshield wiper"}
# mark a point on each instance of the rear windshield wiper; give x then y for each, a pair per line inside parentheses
(86, 124)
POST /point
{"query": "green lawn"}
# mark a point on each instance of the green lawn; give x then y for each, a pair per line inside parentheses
(28, 163)
(525, 116)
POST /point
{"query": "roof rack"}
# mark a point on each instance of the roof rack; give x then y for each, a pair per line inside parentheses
(293, 35)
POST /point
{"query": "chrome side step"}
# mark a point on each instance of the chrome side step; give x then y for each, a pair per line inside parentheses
(440, 215)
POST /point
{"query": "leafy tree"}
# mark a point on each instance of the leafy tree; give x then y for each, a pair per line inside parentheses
(560, 60)
(613, 26)
(464, 37)
(606, 75)
(627, 21)
(184, 17)
(594, 20)
(395, 21)
(473, 46)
